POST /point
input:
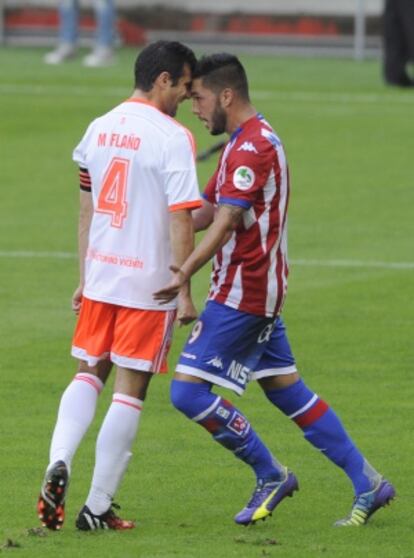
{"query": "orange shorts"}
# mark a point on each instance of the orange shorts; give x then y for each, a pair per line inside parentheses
(129, 337)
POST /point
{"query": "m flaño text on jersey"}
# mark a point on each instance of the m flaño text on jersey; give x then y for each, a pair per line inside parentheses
(125, 141)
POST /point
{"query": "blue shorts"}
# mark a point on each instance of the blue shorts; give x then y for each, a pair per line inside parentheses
(229, 348)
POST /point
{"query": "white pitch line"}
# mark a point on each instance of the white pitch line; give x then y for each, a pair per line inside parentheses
(69, 91)
(260, 94)
(25, 254)
(299, 262)
(353, 263)
(336, 98)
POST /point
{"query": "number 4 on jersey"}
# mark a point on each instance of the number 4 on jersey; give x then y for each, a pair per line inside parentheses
(112, 197)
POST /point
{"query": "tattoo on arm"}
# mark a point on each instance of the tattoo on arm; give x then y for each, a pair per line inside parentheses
(235, 212)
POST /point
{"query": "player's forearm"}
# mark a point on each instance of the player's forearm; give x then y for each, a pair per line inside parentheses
(216, 236)
(182, 239)
(203, 217)
(85, 218)
(204, 251)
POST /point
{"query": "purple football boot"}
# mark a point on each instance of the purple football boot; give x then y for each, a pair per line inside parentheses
(266, 496)
(368, 503)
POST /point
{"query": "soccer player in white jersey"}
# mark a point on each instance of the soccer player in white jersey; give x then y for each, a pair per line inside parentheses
(240, 335)
(138, 189)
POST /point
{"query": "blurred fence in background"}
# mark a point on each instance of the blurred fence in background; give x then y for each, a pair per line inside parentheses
(342, 28)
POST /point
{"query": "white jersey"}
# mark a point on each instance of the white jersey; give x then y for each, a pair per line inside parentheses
(140, 165)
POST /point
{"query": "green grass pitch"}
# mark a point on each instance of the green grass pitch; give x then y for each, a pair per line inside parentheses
(349, 312)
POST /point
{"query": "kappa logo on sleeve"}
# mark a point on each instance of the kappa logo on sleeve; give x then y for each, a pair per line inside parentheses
(248, 146)
(243, 178)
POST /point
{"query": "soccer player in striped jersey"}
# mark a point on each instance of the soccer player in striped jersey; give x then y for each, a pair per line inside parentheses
(240, 335)
(138, 188)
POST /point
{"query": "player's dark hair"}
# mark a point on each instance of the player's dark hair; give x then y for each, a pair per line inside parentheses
(222, 70)
(162, 56)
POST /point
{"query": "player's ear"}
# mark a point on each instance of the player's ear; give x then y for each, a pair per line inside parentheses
(163, 80)
(226, 97)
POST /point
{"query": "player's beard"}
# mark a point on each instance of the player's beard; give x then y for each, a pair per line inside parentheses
(172, 111)
(218, 120)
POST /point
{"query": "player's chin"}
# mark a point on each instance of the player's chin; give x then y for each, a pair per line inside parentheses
(216, 131)
(186, 320)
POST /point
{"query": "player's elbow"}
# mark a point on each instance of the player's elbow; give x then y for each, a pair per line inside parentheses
(201, 224)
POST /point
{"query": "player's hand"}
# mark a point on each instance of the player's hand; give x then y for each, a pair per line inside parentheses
(77, 299)
(186, 311)
(170, 291)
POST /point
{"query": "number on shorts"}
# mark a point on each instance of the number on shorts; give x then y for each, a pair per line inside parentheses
(195, 332)
(112, 197)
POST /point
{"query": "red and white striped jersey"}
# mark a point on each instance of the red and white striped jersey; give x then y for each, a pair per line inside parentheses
(250, 271)
(139, 165)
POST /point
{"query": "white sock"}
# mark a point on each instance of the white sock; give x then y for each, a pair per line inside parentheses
(113, 453)
(76, 412)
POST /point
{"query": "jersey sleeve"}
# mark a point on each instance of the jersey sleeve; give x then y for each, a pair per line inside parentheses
(180, 175)
(80, 157)
(79, 154)
(209, 193)
(246, 174)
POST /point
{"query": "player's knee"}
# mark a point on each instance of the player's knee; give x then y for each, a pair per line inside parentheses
(190, 398)
(178, 395)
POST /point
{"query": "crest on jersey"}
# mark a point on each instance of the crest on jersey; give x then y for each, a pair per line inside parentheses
(243, 178)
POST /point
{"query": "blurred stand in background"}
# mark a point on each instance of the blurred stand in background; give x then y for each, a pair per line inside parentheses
(398, 41)
(102, 53)
(338, 28)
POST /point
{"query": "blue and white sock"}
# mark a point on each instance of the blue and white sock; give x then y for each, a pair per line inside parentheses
(228, 426)
(323, 429)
